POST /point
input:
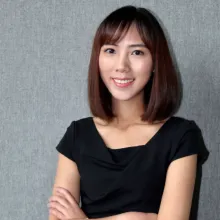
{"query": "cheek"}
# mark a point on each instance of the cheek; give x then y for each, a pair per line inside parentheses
(142, 69)
(106, 68)
(104, 63)
(143, 65)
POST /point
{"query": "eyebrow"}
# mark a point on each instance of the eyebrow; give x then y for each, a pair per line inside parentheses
(131, 45)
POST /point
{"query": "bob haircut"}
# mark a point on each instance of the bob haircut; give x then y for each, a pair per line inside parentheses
(162, 92)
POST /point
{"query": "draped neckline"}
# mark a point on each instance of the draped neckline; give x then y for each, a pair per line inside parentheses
(155, 136)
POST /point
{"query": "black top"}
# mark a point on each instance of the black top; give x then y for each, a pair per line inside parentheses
(114, 181)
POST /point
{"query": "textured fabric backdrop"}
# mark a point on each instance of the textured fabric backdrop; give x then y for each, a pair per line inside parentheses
(45, 49)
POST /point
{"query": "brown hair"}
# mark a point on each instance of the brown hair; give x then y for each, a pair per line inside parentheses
(162, 92)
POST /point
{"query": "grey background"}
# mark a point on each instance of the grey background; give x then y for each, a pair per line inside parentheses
(45, 48)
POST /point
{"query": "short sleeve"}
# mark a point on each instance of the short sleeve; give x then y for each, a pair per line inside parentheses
(66, 144)
(190, 142)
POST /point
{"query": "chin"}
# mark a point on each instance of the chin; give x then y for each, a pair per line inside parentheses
(121, 97)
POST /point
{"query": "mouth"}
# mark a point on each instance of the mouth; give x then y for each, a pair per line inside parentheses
(125, 82)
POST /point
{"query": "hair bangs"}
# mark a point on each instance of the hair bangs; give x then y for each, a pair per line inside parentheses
(114, 31)
(162, 92)
(147, 35)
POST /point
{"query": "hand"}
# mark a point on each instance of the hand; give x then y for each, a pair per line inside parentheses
(64, 206)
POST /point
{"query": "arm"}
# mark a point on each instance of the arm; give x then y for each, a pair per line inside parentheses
(67, 176)
(177, 196)
(178, 192)
(113, 217)
(130, 216)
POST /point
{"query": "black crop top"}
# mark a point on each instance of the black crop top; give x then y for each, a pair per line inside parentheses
(114, 181)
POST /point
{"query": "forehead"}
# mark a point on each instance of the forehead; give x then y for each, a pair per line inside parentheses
(132, 35)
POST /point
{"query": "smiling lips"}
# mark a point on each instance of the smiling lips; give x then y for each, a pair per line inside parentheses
(125, 82)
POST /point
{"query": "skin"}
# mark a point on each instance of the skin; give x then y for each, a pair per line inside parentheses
(124, 61)
(117, 61)
(120, 61)
(63, 206)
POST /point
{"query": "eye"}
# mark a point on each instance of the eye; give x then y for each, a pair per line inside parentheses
(139, 51)
(109, 49)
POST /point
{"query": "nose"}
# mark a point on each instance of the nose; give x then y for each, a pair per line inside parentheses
(122, 64)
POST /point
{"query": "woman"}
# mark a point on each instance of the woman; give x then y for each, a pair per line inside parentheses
(133, 159)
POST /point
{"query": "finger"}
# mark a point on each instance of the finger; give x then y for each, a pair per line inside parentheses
(58, 207)
(56, 213)
(67, 195)
(59, 194)
(59, 199)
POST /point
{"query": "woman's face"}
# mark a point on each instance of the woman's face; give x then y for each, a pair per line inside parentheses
(128, 59)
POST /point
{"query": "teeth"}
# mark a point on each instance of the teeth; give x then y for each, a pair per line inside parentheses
(123, 81)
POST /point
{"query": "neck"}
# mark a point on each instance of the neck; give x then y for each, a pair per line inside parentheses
(128, 112)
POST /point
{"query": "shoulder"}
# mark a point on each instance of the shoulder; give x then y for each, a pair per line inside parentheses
(83, 125)
(95, 120)
(186, 139)
(83, 120)
(183, 129)
(181, 124)
(76, 124)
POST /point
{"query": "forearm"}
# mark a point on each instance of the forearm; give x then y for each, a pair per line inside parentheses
(130, 216)
(113, 217)
(122, 216)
